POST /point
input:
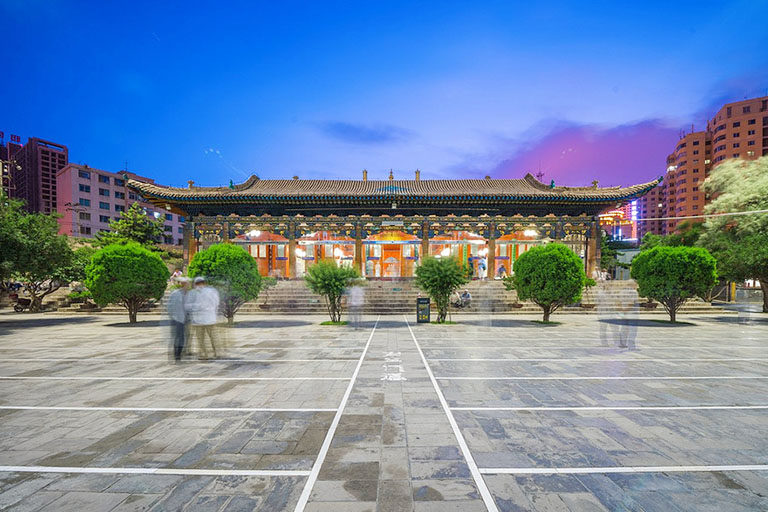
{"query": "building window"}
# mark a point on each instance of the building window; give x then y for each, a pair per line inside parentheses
(104, 218)
(750, 153)
(103, 205)
(85, 230)
(752, 121)
(735, 155)
(104, 192)
(103, 179)
(84, 216)
(168, 216)
(168, 228)
(132, 196)
(736, 134)
(745, 110)
(181, 229)
(119, 195)
(119, 208)
(84, 174)
(736, 124)
(119, 182)
(751, 132)
(84, 188)
(181, 219)
(695, 207)
(735, 144)
(85, 202)
(728, 111)
(695, 143)
(168, 240)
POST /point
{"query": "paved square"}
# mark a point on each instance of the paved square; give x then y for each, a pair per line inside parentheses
(494, 413)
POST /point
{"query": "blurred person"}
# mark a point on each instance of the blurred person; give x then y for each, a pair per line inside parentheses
(178, 315)
(356, 300)
(203, 305)
(502, 273)
(482, 268)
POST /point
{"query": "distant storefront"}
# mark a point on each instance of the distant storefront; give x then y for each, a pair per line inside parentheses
(385, 227)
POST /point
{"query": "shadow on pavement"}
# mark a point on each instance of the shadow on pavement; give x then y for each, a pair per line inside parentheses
(8, 326)
(752, 318)
(269, 324)
(646, 323)
(140, 323)
(508, 322)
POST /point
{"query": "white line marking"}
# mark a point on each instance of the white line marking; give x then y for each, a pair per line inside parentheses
(726, 377)
(619, 408)
(622, 469)
(4, 377)
(592, 360)
(641, 347)
(159, 409)
(490, 504)
(108, 360)
(310, 483)
(153, 471)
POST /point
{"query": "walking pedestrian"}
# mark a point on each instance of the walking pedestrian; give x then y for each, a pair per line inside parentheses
(178, 316)
(356, 300)
(203, 305)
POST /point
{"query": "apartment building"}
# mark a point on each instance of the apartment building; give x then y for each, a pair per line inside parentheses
(34, 180)
(88, 199)
(738, 130)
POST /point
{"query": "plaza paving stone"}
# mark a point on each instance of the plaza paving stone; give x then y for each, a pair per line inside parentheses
(101, 394)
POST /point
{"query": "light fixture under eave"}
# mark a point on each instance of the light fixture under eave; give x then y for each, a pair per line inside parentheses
(530, 232)
(254, 233)
(445, 252)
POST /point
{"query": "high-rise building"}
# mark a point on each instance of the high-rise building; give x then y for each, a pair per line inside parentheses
(738, 130)
(35, 182)
(8, 166)
(88, 199)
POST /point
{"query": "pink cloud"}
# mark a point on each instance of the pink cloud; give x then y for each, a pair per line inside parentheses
(577, 154)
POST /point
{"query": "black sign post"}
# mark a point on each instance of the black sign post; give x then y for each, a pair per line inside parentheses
(422, 310)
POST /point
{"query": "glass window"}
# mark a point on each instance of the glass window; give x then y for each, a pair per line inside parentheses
(104, 192)
(119, 195)
(103, 179)
(119, 182)
(181, 229)
(84, 174)
(168, 216)
(103, 205)
(85, 216)
(85, 230)
(85, 202)
(119, 208)
(168, 228)
(84, 188)
(104, 218)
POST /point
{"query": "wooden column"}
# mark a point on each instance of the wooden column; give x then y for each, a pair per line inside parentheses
(424, 241)
(359, 259)
(593, 249)
(225, 232)
(189, 243)
(291, 250)
(491, 252)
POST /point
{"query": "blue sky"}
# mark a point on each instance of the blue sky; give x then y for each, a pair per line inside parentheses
(217, 91)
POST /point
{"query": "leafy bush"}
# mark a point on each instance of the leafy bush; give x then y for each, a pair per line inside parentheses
(129, 275)
(82, 294)
(328, 279)
(550, 276)
(672, 275)
(233, 271)
(440, 277)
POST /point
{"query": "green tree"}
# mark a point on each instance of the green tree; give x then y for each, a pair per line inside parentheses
(134, 226)
(328, 279)
(687, 235)
(232, 271)
(672, 275)
(739, 242)
(440, 277)
(43, 258)
(129, 275)
(11, 212)
(550, 276)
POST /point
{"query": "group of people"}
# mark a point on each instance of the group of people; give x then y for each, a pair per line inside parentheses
(193, 309)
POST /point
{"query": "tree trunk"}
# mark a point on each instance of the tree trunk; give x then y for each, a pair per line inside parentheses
(547, 312)
(672, 315)
(231, 320)
(37, 304)
(133, 310)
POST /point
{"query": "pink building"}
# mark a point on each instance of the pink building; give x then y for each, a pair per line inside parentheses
(89, 198)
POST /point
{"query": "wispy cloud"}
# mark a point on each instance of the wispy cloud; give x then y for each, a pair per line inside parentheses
(353, 133)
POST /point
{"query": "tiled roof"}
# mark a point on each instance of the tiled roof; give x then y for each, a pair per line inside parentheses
(301, 191)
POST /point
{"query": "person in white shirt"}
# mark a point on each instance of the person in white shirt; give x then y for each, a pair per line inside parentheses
(203, 305)
(178, 316)
(356, 300)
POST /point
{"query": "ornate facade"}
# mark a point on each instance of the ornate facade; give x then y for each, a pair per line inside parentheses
(385, 227)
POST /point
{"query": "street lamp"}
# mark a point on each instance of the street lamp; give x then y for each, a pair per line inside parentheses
(6, 170)
(76, 209)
